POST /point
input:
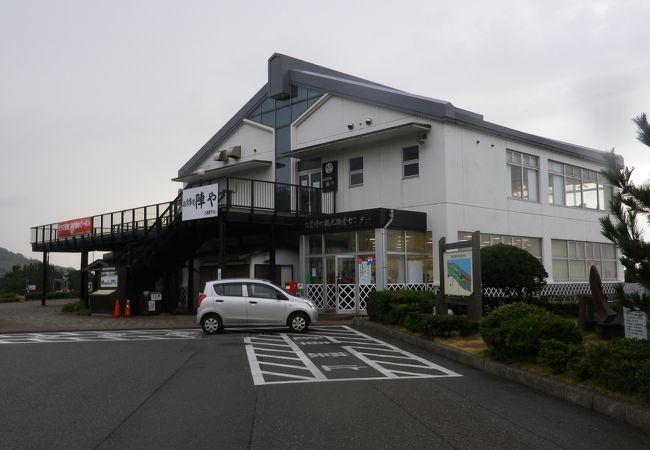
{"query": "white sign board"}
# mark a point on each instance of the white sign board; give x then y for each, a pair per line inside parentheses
(108, 279)
(636, 324)
(201, 202)
(458, 273)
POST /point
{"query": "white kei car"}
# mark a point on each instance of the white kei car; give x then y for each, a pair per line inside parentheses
(237, 302)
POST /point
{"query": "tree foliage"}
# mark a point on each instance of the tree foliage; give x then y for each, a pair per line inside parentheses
(629, 205)
(513, 270)
(19, 276)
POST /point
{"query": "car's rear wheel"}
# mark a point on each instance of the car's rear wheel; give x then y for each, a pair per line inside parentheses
(211, 324)
(298, 322)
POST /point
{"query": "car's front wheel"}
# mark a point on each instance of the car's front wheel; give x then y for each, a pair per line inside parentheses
(298, 322)
(211, 324)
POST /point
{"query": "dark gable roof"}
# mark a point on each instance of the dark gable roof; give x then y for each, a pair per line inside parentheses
(285, 71)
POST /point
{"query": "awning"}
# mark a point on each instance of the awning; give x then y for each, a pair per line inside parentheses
(224, 171)
(406, 129)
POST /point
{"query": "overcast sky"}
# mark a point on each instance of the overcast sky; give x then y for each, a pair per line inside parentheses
(101, 102)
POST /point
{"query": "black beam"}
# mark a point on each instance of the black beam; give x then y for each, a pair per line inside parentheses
(190, 285)
(44, 278)
(83, 289)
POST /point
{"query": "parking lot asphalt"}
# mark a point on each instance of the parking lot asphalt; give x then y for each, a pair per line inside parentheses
(31, 316)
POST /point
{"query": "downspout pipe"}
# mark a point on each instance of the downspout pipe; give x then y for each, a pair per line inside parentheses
(384, 256)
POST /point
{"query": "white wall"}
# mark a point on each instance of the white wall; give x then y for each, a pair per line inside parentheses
(256, 141)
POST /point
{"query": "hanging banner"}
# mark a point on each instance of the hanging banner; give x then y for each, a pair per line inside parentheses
(201, 202)
(76, 227)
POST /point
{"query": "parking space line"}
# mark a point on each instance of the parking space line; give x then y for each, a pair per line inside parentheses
(334, 352)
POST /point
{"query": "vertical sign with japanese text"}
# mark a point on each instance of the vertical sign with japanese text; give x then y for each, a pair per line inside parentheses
(201, 202)
(330, 176)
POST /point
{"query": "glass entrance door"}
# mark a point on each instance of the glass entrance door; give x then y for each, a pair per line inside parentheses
(346, 284)
(309, 177)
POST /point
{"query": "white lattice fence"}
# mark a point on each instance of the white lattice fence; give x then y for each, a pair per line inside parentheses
(364, 293)
(558, 290)
(315, 294)
(346, 297)
(331, 296)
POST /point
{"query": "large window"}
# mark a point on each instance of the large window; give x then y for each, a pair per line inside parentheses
(409, 257)
(572, 260)
(524, 174)
(532, 245)
(279, 114)
(356, 171)
(411, 161)
(577, 187)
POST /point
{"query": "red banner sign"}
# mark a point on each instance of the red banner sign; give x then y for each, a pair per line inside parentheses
(75, 227)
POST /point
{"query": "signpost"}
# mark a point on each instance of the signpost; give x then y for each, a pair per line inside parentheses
(460, 276)
(636, 324)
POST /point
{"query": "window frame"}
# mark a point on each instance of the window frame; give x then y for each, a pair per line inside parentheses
(582, 176)
(353, 172)
(410, 162)
(524, 168)
(575, 252)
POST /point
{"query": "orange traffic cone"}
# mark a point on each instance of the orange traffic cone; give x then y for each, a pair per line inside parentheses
(116, 310)
(127, 308)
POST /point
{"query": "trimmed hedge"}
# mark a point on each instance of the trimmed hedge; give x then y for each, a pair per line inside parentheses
(622, 365)
(414, 311)
(514, 332)
(446, 326)
(392, 307)
(53, 295)
(558, 355)
(77, 308)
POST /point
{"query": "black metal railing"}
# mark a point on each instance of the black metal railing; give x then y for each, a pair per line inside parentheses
(258, 195)
(235, 194)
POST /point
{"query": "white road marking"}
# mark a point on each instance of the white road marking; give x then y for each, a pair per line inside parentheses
(98, 336)
(388, 361)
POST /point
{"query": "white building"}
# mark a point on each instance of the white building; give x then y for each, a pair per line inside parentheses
(404, 152)
(347, 186)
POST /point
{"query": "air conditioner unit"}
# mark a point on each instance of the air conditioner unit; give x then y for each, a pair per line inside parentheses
(234, 152)
(222, 156)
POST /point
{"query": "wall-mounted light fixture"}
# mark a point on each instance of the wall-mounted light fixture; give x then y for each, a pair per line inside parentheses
(368, 121)
(350, 126)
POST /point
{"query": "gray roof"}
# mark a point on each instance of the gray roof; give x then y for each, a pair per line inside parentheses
(285, 71)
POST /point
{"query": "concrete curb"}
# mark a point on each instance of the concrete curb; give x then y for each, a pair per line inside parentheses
(623, 411)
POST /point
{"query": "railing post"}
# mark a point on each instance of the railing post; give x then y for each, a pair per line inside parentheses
(135, 222)
(145, 221)
(50, 240)
(101, 226)
(252, 196)
(122, 222)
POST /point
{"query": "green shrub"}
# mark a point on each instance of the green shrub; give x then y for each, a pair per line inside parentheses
(392, 307)
(557, 354)
(622, 365)
(53, 295)
(513, 332)
(77, 308)
(446, 326)
(513, 270)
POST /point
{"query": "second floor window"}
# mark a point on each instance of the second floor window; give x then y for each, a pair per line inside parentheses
(411, 161)
(573, 186)
(356, 171)
(524, 173)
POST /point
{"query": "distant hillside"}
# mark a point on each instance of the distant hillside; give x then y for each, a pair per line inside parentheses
(8, 259)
